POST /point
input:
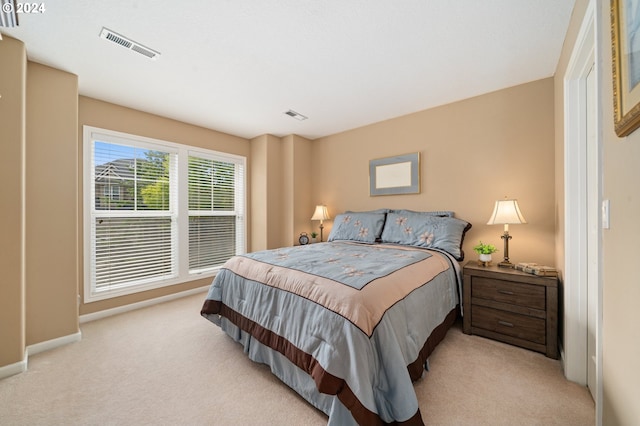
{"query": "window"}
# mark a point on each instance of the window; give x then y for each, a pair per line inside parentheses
(112, 192)
(157, 213)
(213, 226)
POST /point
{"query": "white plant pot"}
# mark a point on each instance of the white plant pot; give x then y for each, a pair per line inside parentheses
(485, 258)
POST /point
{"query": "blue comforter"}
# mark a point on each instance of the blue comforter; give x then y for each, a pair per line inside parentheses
(348, 326)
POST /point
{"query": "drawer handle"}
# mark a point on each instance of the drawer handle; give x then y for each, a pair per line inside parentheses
(505, 323)
(510, 293)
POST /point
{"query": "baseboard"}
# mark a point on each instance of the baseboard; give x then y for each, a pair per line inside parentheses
(561, 358)
(13, 369)
(133, 306)
(53, 343)
(21, 367)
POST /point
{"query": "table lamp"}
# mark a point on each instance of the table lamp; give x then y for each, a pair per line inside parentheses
(321, 214)
(506, 212)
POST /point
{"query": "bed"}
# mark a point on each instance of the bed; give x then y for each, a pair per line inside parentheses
(348, 324)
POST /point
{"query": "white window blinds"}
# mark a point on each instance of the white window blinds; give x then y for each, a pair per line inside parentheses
(133, 215)
(216, 213)
(141, 197)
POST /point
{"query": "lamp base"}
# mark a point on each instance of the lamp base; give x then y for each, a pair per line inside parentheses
(505, 264)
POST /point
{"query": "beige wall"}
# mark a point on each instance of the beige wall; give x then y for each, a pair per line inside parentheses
(39, 110)
(51, 209)
(105, 115)
(259, 190)
(281, 190)
(620, 177)
(289, 198)
(266, 193)
(12, 147)
(297, 196)
(621, 285)
(473, 152)
(305, 199)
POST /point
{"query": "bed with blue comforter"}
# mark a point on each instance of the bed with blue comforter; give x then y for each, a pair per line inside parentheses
(348, 324)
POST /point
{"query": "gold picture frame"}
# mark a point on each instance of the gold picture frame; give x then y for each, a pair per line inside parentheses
(625, 66)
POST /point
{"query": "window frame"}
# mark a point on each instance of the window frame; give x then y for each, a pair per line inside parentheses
(239, 204)
(179, 213)
(108, 191)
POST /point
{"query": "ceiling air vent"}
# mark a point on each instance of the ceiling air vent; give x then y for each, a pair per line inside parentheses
(296, 115)
(125, 42)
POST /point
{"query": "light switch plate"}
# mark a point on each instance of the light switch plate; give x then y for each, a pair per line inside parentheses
(605, 214)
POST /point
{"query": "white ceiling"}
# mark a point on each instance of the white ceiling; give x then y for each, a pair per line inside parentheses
(237, 65)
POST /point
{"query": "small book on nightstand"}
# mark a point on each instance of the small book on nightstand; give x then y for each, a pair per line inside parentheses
(535, 269)
(520, 266)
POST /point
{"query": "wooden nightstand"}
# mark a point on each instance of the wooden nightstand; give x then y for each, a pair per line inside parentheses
(511, 306)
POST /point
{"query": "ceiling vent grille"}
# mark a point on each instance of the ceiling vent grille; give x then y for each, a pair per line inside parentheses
(296, 115)
(127, 43)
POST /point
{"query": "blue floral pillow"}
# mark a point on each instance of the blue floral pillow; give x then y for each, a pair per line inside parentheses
(415, 229)
(363, 227)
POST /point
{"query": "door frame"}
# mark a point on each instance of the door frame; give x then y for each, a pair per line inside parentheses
(574, 351)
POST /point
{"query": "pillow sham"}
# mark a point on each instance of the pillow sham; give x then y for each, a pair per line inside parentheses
(363, 227)
(441, 213)
(370, 211)
(377, 211)
(416, 229)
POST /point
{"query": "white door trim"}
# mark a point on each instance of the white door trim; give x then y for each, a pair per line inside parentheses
(574, 350)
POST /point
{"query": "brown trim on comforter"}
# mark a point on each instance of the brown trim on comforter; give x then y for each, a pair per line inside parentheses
(325, 382)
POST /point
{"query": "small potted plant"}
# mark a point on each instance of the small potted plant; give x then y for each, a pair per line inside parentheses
(484, 251)
(314, 235)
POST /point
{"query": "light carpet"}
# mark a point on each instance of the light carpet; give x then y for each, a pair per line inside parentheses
(166, 365)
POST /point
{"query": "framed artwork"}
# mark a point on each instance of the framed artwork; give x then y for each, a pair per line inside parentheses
(395, 175)
(625, 49)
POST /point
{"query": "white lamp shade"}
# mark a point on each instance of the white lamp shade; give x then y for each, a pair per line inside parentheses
(506, 212)
(321, 213)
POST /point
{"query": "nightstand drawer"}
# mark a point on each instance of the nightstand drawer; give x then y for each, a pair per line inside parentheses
(509, 324)
(511, 306)
(528, 295)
